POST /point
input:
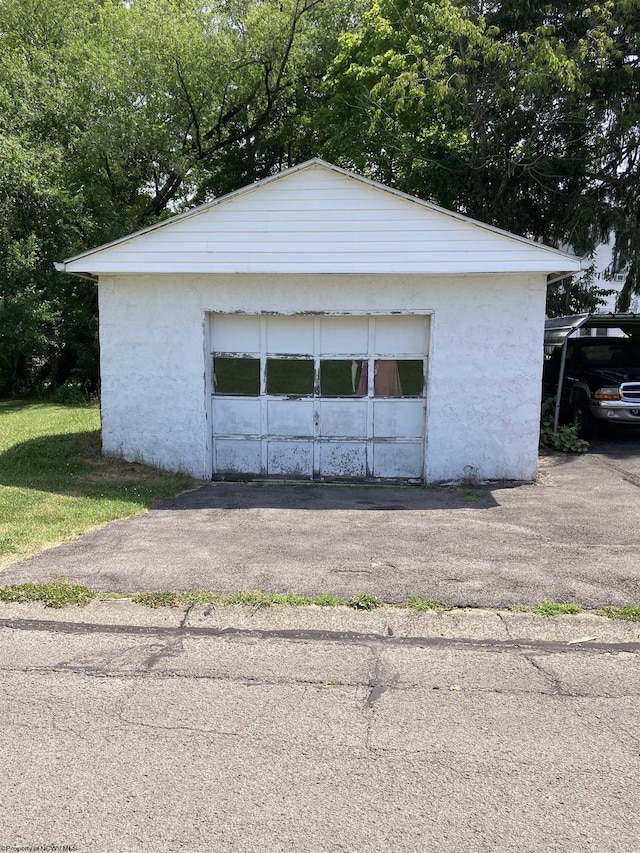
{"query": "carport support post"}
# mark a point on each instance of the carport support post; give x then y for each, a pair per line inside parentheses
(563, 358)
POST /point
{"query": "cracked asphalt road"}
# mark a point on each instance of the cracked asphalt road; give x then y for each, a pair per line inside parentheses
(573, 536)
(124, 729)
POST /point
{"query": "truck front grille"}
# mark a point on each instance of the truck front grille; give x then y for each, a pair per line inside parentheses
(630, 391)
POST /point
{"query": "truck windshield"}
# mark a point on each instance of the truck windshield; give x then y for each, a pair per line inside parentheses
(616, 353)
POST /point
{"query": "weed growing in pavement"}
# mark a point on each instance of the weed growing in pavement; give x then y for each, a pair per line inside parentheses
(52, 594)
(60, 593)
(470, 495)
(245, 598)
(631, 613)
(417, 602)
(158, 599)
(553, 608)
(364, 601)
(547, 608)
(329, 601)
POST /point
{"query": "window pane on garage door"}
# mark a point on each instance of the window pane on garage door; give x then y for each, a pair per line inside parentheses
(290, 376)
(238, 376)
(341, 378)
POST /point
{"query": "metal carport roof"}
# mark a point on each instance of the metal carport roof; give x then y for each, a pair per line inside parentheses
(558, 329)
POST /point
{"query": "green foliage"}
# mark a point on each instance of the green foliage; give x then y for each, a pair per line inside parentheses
(565, 438)
(364, 601)
(247, 598)
(158, 599)
(112, 116)
(547, 608)
(52, 594)
(553, 608)
(422, 604)
(630, 613)
(524, 116)
(329, 601)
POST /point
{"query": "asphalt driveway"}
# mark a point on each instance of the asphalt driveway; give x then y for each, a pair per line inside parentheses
(572, 536)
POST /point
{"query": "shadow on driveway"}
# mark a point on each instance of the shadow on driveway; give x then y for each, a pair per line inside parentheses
(572, 536)
(318, 496)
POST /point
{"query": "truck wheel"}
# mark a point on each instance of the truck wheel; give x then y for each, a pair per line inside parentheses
(583, 419)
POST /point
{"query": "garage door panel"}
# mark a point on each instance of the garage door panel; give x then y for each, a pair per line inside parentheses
(290, 417)
(399, 460)
(238, 456)
(290, 458)
(346, 418)
(237, 333)
(398, 418)
(400, 336)
(343, 459)
(344, 336)
(236, 417)
(290, 335)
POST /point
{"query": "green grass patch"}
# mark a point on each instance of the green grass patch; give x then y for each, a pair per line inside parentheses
(547, 608)
(630, 613)
(329, 601)
(257, 598)
(52, 594)
(364, 601)
(470, 495)
(54, 482)
(159, 599)
(60, 593)
(553, 608)
(246, 598)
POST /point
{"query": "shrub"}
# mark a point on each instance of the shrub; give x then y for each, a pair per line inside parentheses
(565, 438)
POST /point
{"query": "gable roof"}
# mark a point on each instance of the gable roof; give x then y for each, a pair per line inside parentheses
(319, 218)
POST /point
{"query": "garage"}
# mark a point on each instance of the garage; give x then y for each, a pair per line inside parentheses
(317, 325)
(319, 397)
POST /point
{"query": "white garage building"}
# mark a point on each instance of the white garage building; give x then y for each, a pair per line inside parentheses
(317, 325)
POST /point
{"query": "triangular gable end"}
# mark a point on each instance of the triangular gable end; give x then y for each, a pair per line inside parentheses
(317, 218)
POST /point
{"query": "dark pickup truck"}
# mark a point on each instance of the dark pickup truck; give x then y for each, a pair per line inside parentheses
(601, 377)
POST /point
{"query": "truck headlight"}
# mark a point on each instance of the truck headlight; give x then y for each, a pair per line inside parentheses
(608, 393)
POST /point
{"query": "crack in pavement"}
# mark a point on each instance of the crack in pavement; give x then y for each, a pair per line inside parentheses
(550, 677)
(373, 694)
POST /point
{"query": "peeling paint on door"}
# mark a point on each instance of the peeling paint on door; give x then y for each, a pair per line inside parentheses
(331, 417)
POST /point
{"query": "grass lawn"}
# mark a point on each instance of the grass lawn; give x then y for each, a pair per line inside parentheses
(55, 485)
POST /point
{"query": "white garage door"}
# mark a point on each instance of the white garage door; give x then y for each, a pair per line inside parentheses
(319, 397)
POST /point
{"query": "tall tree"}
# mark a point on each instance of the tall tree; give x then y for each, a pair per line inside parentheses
(495, 109)
(115, 114)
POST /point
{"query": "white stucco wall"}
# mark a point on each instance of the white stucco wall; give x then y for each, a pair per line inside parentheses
(484, 368)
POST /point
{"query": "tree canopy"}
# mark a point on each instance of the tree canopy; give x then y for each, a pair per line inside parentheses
(521, 114)
(114, 115)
